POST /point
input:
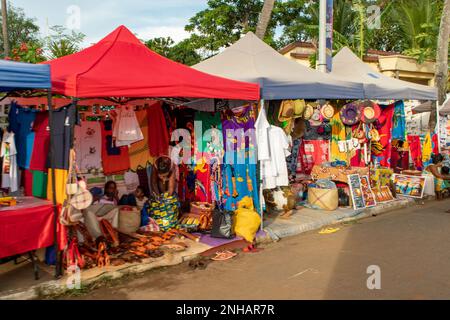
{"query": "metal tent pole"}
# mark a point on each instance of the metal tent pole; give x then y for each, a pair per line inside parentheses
(322, 61)
(260, 182)
(58, 270)
(438, 126)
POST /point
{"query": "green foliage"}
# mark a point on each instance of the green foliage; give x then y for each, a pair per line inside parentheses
(63, 42)
(21, 30)
(183, 52)
(161, 46)
(223, 23)
(28, 52)
(418, 22)
(407, 26)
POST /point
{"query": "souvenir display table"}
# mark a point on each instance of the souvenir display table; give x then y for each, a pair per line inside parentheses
(338, 174)
(26, 227)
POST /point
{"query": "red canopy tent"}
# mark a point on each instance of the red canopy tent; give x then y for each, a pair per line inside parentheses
(122, 66)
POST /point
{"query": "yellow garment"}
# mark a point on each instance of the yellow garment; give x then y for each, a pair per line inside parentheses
(427, 149)
(60, 183)
(338, 133)
(139, 152)
(246, 221)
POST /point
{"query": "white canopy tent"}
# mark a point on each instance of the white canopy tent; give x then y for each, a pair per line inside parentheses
(346, 65)
(252, 60)
(426, 107)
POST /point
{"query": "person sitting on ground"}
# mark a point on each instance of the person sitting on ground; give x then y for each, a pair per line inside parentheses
(111, 194)
(163, 177)
(135, 199)
(141, 199)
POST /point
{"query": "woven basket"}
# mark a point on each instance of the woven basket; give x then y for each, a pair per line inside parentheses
(326, 199)
(129, 220)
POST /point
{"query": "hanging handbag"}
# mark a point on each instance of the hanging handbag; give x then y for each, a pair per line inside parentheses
(83, 198)
(222, 224)
(72, 185)
(69, 216)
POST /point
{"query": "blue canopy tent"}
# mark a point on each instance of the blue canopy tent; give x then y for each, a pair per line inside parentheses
(19, 76)
(15, 76)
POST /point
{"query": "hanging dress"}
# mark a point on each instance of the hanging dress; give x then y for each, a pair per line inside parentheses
(239, 174)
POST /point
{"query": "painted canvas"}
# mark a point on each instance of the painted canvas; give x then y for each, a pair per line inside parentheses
(409, 186)
(369, 196)
(354, 182)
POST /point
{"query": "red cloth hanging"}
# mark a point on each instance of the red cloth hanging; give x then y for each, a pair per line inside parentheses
(27, 182)
(113, 163)
(415, 148)
(158, 137)
(313, 152)
(435, 141)
(384, 126)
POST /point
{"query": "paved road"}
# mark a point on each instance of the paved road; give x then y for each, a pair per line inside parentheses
(411, 247)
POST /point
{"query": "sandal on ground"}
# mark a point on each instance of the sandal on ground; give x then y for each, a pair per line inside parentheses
(224, 255)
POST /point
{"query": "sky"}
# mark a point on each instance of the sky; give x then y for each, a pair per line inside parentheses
(146, 18)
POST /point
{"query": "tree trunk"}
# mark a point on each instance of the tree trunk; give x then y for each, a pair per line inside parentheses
(264, 18)
(5, 28)
(441, 73)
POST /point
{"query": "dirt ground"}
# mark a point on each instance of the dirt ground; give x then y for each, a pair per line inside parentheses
(411, 247)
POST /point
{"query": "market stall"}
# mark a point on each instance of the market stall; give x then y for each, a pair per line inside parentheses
(334, 137)
(126, 142)
(43, 225)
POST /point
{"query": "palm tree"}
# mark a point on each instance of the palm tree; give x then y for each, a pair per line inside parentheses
(264, 18)
(5, 29)
(418, 22)
(441, 74)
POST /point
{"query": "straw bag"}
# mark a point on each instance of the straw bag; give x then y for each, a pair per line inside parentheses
(326, 199)
(129, 219)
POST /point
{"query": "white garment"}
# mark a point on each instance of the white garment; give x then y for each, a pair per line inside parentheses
(262, 135)
(274, 171)
(131, 181)
(126, 129)
(88, 145)
(9, 168)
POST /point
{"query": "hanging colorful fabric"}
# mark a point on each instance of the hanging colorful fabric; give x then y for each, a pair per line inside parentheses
(427, 150)
(435, 141)
(337, 134)
(416, 151)
(381, 150)
(399, 127)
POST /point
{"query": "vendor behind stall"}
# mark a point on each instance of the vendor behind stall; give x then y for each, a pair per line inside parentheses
(163, 178)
